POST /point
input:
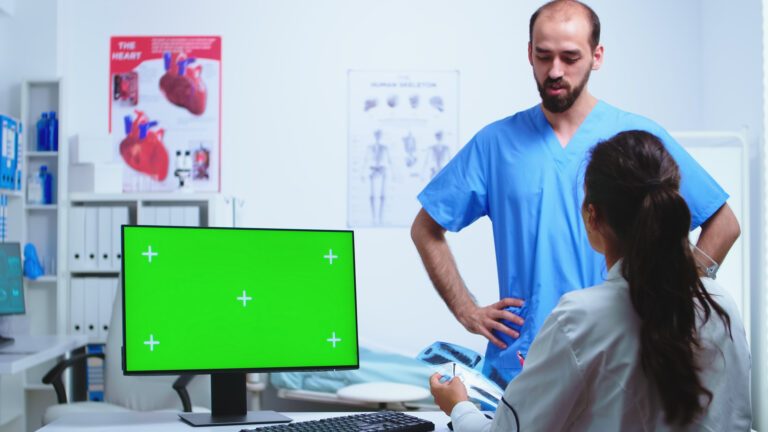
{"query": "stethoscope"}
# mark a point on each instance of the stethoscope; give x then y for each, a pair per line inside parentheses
(517, 421)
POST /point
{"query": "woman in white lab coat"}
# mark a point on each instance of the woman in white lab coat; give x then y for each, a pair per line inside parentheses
(653, 348)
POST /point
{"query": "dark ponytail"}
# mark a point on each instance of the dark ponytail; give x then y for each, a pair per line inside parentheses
(633, 183)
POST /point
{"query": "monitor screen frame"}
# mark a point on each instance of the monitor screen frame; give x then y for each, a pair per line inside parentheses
(23, 310)
(123, 353)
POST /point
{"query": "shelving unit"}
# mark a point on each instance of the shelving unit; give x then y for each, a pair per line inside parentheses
(46, 296)
(93, 266)
(42, 223)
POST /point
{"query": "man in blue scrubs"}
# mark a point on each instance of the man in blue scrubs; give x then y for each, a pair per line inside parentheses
(525, 172)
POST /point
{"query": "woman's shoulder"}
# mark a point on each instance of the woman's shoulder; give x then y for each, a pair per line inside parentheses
(595, 311)
(725, 299)
(595, 298)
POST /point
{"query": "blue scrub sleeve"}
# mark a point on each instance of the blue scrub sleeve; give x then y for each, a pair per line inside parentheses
(458, 195)
(702, 193)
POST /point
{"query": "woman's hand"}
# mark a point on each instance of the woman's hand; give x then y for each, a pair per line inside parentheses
(447, 394)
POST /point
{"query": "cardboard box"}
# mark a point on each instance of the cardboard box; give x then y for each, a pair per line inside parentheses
(96, 177)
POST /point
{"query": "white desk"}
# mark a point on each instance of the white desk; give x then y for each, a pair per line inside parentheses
(30, 351)
(170, 422)
(25, 353)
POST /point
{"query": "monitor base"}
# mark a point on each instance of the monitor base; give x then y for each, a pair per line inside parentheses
(251, 417)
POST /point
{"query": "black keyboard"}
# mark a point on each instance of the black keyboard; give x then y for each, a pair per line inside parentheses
(378, 421)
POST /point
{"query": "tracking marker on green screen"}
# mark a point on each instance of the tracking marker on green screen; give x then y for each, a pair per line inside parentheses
(202, 299)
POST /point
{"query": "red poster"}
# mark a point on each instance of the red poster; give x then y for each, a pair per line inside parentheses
(165, 111)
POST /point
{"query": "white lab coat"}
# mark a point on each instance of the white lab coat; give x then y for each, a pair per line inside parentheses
(583, 371)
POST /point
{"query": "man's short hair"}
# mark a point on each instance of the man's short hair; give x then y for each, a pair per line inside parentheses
(594, 37)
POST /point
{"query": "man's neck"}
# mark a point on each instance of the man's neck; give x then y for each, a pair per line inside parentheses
(565, 124)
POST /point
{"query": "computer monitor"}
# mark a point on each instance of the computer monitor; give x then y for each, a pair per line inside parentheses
(11, 283)
(226, 301)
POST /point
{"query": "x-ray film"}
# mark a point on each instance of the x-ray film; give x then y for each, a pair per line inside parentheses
(454, 360)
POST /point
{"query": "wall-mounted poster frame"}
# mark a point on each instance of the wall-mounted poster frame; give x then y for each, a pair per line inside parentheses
(165, 112)
(403, 128)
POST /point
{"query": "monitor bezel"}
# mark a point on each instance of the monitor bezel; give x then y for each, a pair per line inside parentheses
(23, 285)
(123, 354)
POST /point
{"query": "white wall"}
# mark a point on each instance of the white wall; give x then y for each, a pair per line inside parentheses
(284, 114)
(732, 89)
(28, 49)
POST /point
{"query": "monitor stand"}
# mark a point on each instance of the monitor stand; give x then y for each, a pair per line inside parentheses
(5, 341)
(228, 405)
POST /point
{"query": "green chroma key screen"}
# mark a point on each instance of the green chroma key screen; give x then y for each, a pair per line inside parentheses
(218, 299)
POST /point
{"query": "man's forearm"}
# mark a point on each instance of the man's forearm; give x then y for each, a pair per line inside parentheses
(719, 233)
(429, 238)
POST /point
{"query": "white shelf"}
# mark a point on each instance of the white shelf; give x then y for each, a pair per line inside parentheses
(45, 207)
(46, 279)
(93, 272)
(133, 197)
(12, 193)
(42, 154)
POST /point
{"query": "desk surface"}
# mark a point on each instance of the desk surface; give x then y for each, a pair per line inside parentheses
(30, 351)
(170, 422)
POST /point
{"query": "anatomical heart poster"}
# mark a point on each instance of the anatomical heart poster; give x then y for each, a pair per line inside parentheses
(165, 112)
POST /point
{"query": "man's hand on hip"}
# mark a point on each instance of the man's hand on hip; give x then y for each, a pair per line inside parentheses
(483, 320)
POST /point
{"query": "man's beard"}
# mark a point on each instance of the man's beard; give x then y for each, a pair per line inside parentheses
(563, 102)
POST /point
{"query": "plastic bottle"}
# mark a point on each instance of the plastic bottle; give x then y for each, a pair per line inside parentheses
(34, 189)
(46, 181)
(53, 131)
(43, 133)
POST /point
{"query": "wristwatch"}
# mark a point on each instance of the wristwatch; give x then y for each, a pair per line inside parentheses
(711, 271)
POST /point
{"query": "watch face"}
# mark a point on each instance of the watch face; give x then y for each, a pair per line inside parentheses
(711, 271)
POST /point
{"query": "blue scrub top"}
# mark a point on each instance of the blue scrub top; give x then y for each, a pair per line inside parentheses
(516, 172)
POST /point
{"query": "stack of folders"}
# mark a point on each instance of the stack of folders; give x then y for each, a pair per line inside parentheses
(170, 216)
(95, 238)
(95, 232)
(91, 300)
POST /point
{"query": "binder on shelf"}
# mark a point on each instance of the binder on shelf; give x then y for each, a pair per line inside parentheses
(147, 216)
(77, 239)
(177, 216)
(91, 241)
(107, 291)
(77, 306)
(94, 376)
(163, 216)
(104, 239)
(92, 286)
(192, 216)
(10, 129)
(119, 218)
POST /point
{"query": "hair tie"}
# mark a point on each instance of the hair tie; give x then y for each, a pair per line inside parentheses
(651, 185)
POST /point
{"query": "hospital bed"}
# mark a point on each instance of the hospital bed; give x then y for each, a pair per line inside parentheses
(376, 366)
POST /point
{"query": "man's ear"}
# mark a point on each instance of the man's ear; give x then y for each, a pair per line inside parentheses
(530, 53)
(597, 57)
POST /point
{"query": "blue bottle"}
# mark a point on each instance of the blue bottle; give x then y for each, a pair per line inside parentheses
(53, 131)
(46, 180)
(43, 133)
